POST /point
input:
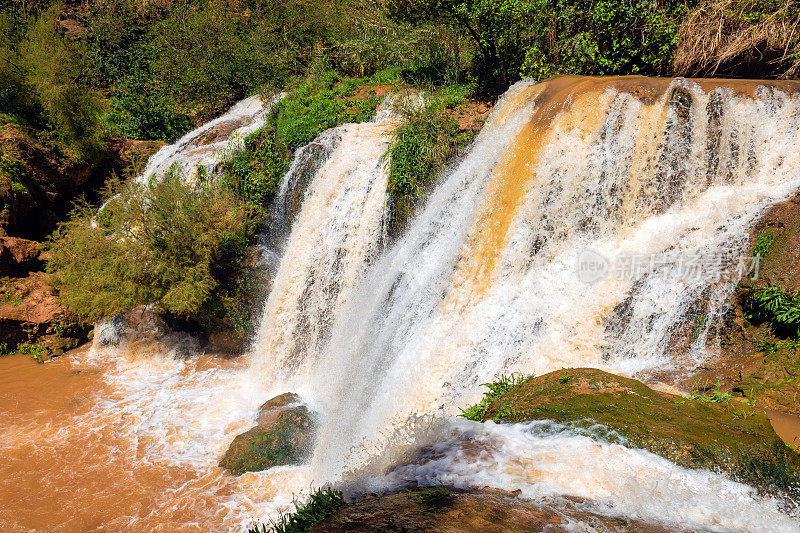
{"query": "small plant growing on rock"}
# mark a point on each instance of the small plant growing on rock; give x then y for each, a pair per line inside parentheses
(706, 393)
(501, 385)
(321, 504)
(763, 242)
(699, 325)
(435, 498)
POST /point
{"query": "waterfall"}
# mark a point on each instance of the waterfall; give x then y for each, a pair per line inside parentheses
(339, 230)
(584, 225)
(486, 278)
(207, 145)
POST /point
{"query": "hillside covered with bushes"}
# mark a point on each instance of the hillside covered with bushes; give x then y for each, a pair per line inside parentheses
(92, 87)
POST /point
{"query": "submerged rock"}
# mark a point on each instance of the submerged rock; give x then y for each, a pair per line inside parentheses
(729, 435)
(283, 436)
(445, 509)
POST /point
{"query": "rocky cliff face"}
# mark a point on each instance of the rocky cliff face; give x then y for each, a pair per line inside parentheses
(752, 361)
(39, 181)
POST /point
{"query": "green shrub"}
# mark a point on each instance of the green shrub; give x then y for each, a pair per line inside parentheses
(158, 244)
(544, 37)
(501, 385)
(436, 498)
(322, 504)
(255, 171)
(420, 147)
(776, 307)
(53, 69)
(319, 105)
(141, 111)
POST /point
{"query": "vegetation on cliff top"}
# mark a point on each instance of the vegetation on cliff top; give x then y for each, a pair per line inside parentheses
(316, 105)
(421, 146)
(750, 38)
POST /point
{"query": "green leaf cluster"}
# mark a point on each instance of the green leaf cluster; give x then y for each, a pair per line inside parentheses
(774, 306)
(497, 388)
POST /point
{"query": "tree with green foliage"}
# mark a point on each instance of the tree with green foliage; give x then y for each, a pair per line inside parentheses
(47, 84)
(541, 38)
(497, 28)
(151, 244)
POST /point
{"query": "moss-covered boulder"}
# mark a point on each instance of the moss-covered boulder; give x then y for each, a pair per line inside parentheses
(727, 436)
(283, 436)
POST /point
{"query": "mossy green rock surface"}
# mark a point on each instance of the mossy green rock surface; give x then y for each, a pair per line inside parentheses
(729, 436)
(283, 436)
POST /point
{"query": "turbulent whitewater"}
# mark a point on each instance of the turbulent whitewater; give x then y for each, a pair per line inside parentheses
(650, 184)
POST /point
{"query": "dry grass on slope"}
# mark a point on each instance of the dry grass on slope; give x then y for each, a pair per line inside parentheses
(741, 38)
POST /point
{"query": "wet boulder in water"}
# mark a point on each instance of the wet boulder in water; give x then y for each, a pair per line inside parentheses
(283, 436)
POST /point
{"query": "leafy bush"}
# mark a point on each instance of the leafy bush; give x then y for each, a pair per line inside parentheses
(322, 504)
(141, 111)
(254, 172)
(318, 105)
(154, 244)
(776, 307)
(46, 87)
(420, 147)
(500, 386)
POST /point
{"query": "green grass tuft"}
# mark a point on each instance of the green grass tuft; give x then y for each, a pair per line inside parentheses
(435, 498)
(322, 504)
(501, 385)
(763, 242)
(706, 393)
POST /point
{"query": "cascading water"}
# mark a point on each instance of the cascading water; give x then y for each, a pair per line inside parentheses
(486, 280)
(207, 145)
(386, 342)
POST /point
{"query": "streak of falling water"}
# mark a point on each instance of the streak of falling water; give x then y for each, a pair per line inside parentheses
(207, 145)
